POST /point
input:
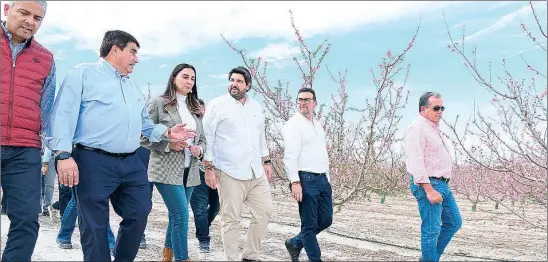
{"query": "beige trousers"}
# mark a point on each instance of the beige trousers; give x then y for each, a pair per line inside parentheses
(233, 193)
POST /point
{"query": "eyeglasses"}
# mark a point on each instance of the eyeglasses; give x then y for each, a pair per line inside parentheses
(437, 108)
(304, 100)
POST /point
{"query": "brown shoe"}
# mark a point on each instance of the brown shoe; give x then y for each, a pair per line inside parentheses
(167, 255)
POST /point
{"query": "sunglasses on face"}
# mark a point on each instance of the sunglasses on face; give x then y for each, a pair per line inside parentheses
(437, 108)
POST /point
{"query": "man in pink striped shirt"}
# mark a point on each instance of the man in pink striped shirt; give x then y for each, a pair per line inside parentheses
(429, 161)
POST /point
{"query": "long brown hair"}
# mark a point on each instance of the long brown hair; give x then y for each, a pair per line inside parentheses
(170, 95)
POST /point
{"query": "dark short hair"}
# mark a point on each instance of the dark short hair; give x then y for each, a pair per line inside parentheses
(423, 100)
(242, 71)
(308, 90)
(117, 38)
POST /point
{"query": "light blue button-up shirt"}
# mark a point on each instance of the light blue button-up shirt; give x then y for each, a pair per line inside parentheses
(97, 107)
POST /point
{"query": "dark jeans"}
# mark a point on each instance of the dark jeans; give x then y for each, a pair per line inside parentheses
(205, 206)
(122, 180)
(21, 186)
(65, 194)
(316, 211)
(440, 221)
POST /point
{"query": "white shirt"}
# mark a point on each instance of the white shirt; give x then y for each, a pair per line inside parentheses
(187, 118)
(305, 147)
(235, 135)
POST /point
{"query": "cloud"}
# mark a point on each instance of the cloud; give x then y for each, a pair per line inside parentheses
(219, 76)
(162, 31)
(499, 5)
(60, 54)
(504, 21)
(53, 39)
(277, 54)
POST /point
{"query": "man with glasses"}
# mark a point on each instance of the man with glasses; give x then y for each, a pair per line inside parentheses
(429, 161)
(307, 166)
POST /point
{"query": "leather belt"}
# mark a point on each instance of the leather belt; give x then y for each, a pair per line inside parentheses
(443, 179)
(101, 151)
(312, 173)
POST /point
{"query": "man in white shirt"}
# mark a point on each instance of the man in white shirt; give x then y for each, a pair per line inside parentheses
(307, 166)
(235, 133)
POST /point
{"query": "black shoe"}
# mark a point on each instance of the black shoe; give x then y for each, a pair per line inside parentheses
(45, 213)
(249, 260)
(293, 252)
(204, 247)
(64, 245)
(55, 205)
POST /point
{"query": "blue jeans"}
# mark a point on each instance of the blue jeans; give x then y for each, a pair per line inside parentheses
(68, 222)
(440, 221)
(48, 182)
(21, 189)
(176, 198)
(205, 206)
(316, 211)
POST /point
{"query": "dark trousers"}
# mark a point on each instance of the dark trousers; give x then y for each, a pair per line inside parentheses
(205, 206)
(316, 211)
(144, 154)
(65, 193)
(122, 180)
(21, 187)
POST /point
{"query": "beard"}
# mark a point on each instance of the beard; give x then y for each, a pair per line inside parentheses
(238, 95)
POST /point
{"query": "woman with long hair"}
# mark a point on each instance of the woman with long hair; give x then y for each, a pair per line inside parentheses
(174, 166)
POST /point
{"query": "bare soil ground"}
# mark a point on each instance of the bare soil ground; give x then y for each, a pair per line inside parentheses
(362, 231)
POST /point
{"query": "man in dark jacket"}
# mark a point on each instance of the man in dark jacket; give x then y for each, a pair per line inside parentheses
(27, 93)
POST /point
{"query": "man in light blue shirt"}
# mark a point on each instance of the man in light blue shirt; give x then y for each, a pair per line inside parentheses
(96, 126)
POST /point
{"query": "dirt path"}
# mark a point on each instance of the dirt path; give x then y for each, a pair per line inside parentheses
(392, 231)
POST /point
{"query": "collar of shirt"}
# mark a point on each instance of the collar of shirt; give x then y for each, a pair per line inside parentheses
(111, 69)
(237, 101)
(180, 98)
(10, 36)
(304, 118)
(423, 120)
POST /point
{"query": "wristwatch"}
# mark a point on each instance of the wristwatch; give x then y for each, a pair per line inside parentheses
(208, 165)
(266, 162)
(63, 156)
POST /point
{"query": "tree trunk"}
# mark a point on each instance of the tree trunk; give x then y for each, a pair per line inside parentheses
(383, 198)
(497, 205)
(474, 206)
